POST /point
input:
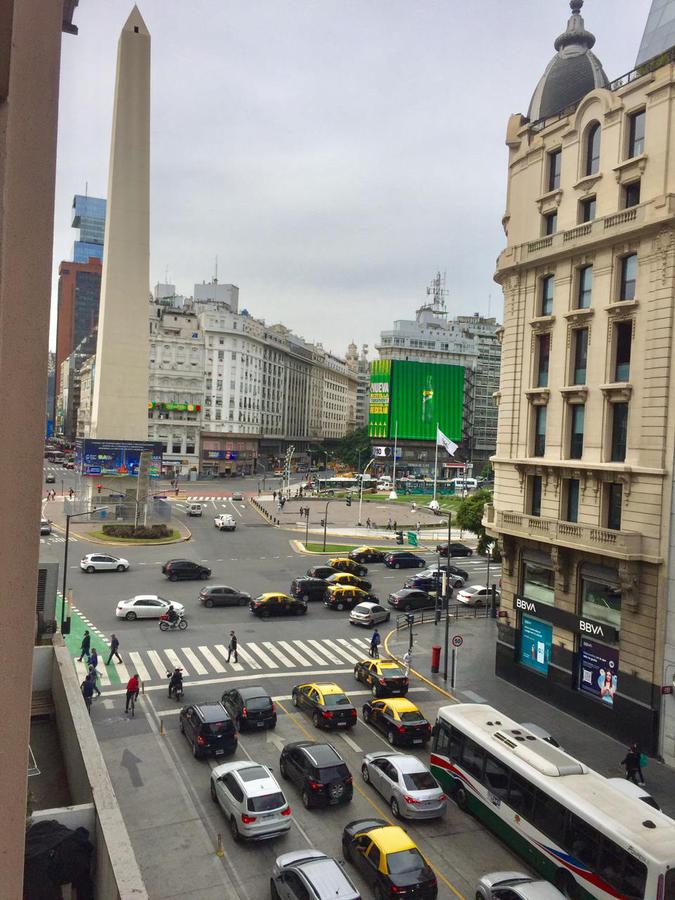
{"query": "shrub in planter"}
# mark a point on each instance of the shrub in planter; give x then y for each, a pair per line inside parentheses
(142, 532)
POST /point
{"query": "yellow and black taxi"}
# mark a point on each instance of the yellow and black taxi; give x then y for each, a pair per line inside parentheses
(346, 578)
(385, 678)
(367, 555)
(276, 604)
(398, 719)
(388, 860)
(327, 704)
(344, 564)
(345, 597)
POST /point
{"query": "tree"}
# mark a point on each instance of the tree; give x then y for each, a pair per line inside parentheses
(354, 448)
(469, 516)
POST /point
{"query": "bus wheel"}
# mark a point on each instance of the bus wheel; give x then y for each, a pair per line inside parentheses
(566, 884)
(461, 798)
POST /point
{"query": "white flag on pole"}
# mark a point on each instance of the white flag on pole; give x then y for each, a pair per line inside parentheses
(443, 441)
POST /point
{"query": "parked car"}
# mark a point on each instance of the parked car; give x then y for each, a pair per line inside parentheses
(411, 598)
(45, 526)
(369, 614)
(339, 597)
(367, 555)
(515, 886)
(251, 707)
(226, 522)
(327, 704)
(310, 873)
(456, 549)
(208, 729)
(344, 564)
(275, 604)
(308, 588)
(321, 571)
(476, 595)
(405, 783)
(222, 595)
(398, 719)
(346, 578)
(385, 678)
(103, 562)
(628, 789)
(50, 479)
(180, 569)
(401, 870)
(194, 509)
(425, 581)
(403, 559)
(145, 606)
(319, 771)
(251, 799)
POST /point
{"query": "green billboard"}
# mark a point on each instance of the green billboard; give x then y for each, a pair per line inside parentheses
(423, 396)
(378, 411)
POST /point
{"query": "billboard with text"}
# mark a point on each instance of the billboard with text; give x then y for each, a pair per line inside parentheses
(378, 410)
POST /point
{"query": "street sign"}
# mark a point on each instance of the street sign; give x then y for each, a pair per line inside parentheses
(457, 640)
(412, 538)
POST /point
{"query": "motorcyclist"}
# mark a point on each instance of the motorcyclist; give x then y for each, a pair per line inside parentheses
(175, 682)
(172, 614)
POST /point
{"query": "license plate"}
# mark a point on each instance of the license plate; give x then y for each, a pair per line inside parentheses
(219, 752)
(260, 724)
(341, 724)
(417, 740)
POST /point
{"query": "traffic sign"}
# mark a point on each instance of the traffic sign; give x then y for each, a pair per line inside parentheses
(457, 640)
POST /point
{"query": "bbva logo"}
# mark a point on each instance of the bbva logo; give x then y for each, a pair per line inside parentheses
(527, 605)
(590, 628)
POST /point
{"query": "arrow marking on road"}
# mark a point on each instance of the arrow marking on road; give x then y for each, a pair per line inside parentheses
(272, 738)
(130, 762)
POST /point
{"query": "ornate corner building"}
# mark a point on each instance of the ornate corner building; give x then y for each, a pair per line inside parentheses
(583, 504)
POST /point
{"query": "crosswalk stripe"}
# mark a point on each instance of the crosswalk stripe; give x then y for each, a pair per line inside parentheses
(350, 656)
(195, 662)
(176, 662)
(310, 653)
(293, 652)
(103, 676)
(362, 642)
(285, 661)
(248, 659)
(358, 651)
(224, 653)
(211, 659)
(122, 671)
(261, 653)
(325, 651)
(139, 666)
(81, 670)
(156, 660)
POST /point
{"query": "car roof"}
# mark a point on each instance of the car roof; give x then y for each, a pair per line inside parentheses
(366, 604)
(150, 597)
(252, 690)
(363, 549)
(385, 664)
(400, 704)
(268, 594)
(341, 559)
(404, 592)
(323, 754)
(391, 839)
(327, 878)
(475, 587)
(212, 710)
(338, 588)
(328, 688)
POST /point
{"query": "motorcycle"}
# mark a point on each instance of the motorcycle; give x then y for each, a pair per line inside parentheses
(177, 688)
(165, 624)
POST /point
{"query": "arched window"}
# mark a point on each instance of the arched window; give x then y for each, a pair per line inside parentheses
(593, 149)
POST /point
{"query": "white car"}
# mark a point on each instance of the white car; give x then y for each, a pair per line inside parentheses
(405, 783)
(515, 886)
(225, 522)
(45, 526)
(102, 562)
(628, 789)
(250, 796)
(368, 613)
(145, 606)
(476, 595)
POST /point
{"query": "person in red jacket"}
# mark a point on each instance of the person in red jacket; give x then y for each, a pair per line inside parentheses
(133, 686)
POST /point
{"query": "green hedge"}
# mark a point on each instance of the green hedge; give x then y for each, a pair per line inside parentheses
(137, 531)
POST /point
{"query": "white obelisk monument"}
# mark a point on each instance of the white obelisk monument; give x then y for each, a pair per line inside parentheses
(120, 402)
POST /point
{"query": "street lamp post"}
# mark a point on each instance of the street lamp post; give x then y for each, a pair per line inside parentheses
(363, 475)
(325, 523)
(447, 603)
(70, 516)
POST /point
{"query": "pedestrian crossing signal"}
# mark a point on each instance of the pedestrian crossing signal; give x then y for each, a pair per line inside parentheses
(349, 501)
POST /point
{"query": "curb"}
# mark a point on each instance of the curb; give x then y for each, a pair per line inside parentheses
(417, 674)
(92, 540)
(264, 515)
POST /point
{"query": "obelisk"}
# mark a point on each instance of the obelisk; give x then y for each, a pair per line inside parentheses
(120, 401)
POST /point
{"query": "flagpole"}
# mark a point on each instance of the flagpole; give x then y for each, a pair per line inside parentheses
(436, 463)
(393, 495)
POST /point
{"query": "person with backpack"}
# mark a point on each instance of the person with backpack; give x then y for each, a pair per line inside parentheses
(94, 674)
(631, 763)
(374, 644)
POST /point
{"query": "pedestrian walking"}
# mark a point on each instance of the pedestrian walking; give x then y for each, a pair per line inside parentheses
(94, 674)
(232, 647)
(389, 524)
(133, 685)
(374, 644)
(114, 648)
(87, 689)
(70, 493)
(84, 646)
(274, 495)
(631, 763)
(367, 523)
(395, 525)
(407, 660)
(419, 526)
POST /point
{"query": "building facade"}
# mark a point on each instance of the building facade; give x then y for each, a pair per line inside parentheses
(68, 398)
(360, 366)
(584, 459)
(86, 398)
(89, 217)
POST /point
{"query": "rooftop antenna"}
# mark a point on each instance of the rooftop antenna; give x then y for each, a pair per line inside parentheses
(215, 277)
(489, 304)
(437, 290)
(86, 189)
(166, 275)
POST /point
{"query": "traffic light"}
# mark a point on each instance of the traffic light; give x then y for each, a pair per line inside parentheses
(98, 488)
(349, 501)
(323, 522)
(410, 618)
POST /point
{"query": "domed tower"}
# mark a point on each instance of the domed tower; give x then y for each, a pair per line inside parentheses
(572, 73)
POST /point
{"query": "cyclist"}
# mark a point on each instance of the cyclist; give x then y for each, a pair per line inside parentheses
(133, 687)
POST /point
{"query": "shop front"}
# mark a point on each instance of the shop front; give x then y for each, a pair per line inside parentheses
(224, 456)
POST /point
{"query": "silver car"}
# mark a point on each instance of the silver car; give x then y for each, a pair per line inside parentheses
(310, 873)
(406, 784)
(368, 613)
(251, 799)
(456, 581)
(516, 886)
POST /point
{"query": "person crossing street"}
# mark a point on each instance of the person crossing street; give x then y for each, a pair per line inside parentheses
(84, 646)
(132, 691)
(114, 648)
(374, 644)
(232, 647)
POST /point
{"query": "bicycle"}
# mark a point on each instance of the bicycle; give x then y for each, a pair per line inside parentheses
(132, 703)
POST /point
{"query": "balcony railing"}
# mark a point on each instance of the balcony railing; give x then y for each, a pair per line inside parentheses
(604, 541)
(587, 232)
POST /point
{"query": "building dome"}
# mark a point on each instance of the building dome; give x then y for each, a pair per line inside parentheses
(572, 73)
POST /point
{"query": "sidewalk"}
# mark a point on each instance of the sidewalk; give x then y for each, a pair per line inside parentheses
(477, 683)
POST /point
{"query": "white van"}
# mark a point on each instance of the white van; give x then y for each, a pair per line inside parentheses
(194, 509)
(464, 484)
(225, 522)
(384, 484)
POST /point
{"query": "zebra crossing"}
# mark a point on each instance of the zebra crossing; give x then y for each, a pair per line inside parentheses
(253, 656)
(201, 499)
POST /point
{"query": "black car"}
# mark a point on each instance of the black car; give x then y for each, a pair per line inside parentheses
(411, 598)
(250, 707)
(276, 604)
(327, 704)
(426, 583)
(178, 569)
(321, 571)
(319, 771)
(308, 588)
(456, 549)
(403, 559)
(367, 555)
(385, 678)
(221, 595)
(339, 597)
(208, 728)
(399, 719)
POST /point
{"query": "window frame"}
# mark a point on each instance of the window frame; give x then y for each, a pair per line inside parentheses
(592, 149)
(628, 194)
(580, 344)
(546, 301)
(550, 223)
(613, 505)
(541, 374)
(554, 169)
(575, 435)
(618, 435)
(585, 207)
(571, 498)
(626, 293)
(584, 291)
(635, 145)
(538, 435)
(620, 368)
(535, 494)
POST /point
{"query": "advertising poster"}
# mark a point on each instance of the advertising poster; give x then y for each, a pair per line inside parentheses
(424, 395)
(598, 670)
(378, 411)
(536, 639)
(121, 458)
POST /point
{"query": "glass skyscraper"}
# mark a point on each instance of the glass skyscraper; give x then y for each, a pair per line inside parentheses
(89, 217)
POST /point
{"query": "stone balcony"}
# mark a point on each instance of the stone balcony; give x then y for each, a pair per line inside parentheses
(625, 545)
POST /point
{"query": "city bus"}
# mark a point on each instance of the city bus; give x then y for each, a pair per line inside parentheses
(335, 483)
(563, 818)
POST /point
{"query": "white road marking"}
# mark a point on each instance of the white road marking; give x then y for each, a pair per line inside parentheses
(248, 659)
(224, 652)
(279, 655)
(358, 652)
(195, 662)
(350, 742)
(312, 655)
(325, 651)
(176, 662)
(350, 656)
(139, 666)
(122, 671)
(211, 659)
(293, 652)
(261, 653)
(156, 660)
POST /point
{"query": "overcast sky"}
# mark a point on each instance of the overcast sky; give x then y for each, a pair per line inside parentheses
(333, 154)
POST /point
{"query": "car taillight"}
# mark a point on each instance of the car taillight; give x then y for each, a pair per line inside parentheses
(400, 729)
(428, 726)
(247, 820)
(315, 785)
(327, 715)
(201, 741)
(244, 712)
(274, 709)
(406, 681)
(353, 713)
(382, 681)
(286, 812)
(349, 780)
(410, 799)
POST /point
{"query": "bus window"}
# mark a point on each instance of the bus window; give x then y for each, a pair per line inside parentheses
(584, 843)
(473, 758)
(496, 777)
(550, 817)
(521, 796)
(610, 863)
